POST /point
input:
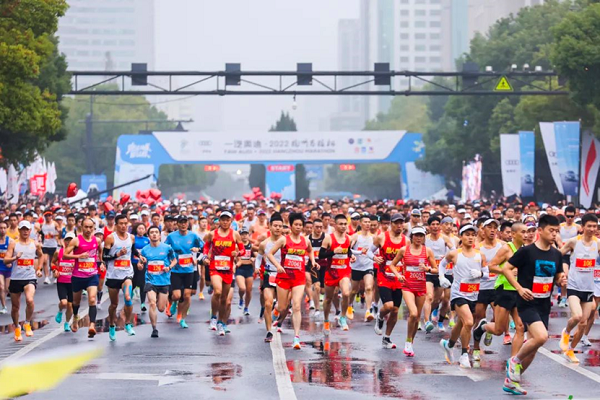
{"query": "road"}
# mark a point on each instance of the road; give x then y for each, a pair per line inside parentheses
(196, 363)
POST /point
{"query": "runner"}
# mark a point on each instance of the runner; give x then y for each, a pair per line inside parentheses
(416, 260)
(13, 226)
(63, 271)
(119, 247)
(362, 268)
(268, 271)
(84, 249)
(568, 230)
(5, 270)
(316, 241)
(336, 248)
(389, 279)
(469, 268)
(139, 275)
(584, 339)
(539, 268)
(244, 272)
(160, 259)
(50, 235)
(184, 244)
(291, 278)
(580, 283)
(23, 252)
(222, 246)
(505, 299)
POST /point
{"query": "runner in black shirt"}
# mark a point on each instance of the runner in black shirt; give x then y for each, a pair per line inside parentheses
(539, 268)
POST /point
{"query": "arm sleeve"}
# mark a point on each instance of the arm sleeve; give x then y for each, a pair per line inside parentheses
(206, 248)
(325, 253)
(371, 251)
(258, 261)
(134, 250)
(106, 256)
(241, 246)
(442, 267)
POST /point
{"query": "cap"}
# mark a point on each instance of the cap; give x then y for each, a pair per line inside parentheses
(134, 216)
(250, 206)
(355, 215)
(531, 225)
(226, 214)
(261, 212)
(145, 212)
(351, 210)
(99, 231)
(397, 217)
(111, 214)
(415, 211)
(69, 235)
(24, 225)
(47, 213)
(446, 220)
(467, 216)
(182, 218)
(244, 230)
(461, 211)
(467, 227)
(490, 221)
(418, 230)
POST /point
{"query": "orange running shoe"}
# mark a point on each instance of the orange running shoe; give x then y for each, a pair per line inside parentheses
(28, 331)
(18, 337)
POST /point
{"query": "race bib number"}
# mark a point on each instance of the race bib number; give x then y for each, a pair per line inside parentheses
(415, 273)
(597, 274)
(542, 287)
(585, 264)
(293, 262)
(272, 277)
(156, 267)
(316, 252)
(122, 264)
(247, 255)
(388, 270)
(222, 263)
(48, 236)
(449, 267)
(186, 260)
(339, 261)
(87, 265)
(2, 255)
(65, 268)
(469, 286)
(25, 262)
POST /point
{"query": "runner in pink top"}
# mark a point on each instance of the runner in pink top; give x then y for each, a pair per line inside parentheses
(63, 270)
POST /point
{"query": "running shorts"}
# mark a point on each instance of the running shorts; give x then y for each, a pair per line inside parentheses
(227, 277)
(290, 279)
(80, 284)
(117, 283)
(486, 296)
(459, 301)
(506, 299)
(182, 281)
(156, 289)
(433, 279)
(65, 291)
(584, 297)
(359, 275)
(247, 271)
(333, 279)
(17, 286)
(532, 314)
(387, 295)
(49, 250)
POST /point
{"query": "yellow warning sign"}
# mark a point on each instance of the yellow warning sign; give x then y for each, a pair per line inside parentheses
(503, 85)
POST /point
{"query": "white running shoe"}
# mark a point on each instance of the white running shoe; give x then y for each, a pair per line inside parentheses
(463, 361)
(584, 341)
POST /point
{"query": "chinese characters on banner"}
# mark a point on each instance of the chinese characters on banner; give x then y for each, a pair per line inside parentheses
(37, 184)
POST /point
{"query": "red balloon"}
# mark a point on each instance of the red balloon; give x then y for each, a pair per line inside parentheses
(155, 194)
(109, 199)
(247, 197)
(255, 189)
(108, 207)
(144, 194)
(150, 201)
(124, 199)
(72, 189)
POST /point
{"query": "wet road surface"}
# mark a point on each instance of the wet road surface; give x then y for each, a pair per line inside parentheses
(196, 363)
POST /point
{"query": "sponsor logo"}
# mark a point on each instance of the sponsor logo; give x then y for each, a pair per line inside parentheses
(138, 150)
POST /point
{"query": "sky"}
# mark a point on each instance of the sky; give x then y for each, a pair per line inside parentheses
(261, 35)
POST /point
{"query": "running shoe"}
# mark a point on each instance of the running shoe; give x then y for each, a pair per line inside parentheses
(408, 350)
(487, 339)
(91, 332)
(241, 304)
(58, 317)
(66, 327)
(434, 315)
(343, 323)
(428, 326)
(246, 311)
(112, 333)
(586, 341)
(296, 344)
(562, 303)
(311, 305)
(369, 317)
(386, 343)
(129, 329)
(507, 339)
(463, 361)
(143, 307)
(512, 326)
(350, 312)
(420, 327)
(173, 309)
(28, 331)
(451, 323)
(513, 387)
(564, 340)
(179, 318)
(326, 328)
(440, 326)
(379, 325)
(317, 313)
(168, 310)
(18, 336)
(210, 290)
(513, 370)
(183, 324)
(75, 324)
(3, 310)
(226, 329)
(570, 356)
(479, 331)
(201, 296)
(220, 329)
(447, 351)
(476, 355)
(47, 281)
(213, 324)
(269, 337)
(154, 333)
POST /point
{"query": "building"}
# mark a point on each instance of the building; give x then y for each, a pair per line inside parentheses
(484, 13)
(107, 35)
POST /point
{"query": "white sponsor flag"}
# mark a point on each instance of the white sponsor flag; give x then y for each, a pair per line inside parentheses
(549, 138)
(12, 190)
(51, 180)
(590, 162)
(510, 157)
(3, 181)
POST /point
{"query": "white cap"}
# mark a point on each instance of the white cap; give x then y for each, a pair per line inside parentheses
(461, 210)
(70, 235)
(225, 214)
(99, 231)
(24, 224)
(467, 227)
(134, 216)
(489, 221)
(145, 212)
(59, 218)
(351, 210)
(418, 230)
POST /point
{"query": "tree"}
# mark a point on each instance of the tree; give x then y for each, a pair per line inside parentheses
(33, 78)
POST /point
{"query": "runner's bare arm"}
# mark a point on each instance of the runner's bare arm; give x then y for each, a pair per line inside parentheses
(39, 254)
(500, 257)
(433, 264)
(10, 257)
(271, 254)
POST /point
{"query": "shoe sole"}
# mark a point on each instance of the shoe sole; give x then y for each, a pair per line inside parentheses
(511, 391)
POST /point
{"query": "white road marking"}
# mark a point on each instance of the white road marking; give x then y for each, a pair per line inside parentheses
(163, 380)
(575, 367)
(33, 345)
(282, 374)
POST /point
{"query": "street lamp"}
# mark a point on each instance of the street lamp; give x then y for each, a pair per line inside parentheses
(525, 67)
(513, 67)
(489, 68)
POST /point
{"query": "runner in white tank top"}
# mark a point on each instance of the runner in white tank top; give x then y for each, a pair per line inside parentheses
(362, 268)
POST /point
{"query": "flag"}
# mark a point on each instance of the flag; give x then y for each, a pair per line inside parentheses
(510, 158)
(590, 162)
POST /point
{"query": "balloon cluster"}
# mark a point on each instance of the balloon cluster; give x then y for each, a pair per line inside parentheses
(150, 197)
(275, 196)
(255, 195)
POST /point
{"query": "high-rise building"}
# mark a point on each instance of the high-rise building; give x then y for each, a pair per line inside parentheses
(107, 35)
(484, 13)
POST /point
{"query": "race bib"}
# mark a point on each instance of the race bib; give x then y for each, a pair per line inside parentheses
(388, 271)
(247, 255)
(2, 255)
(339, 261)
(597, 275)
(123, 264)
(293, 261)
(414, 273)
(585, 264)
(186, 260)
(222, 263)
(469, 286)
(272, 277)
(542, 287)
(316, 252)
(156, 267)
(87, 264)
(25, 262)
(65, 268)
(48, 236)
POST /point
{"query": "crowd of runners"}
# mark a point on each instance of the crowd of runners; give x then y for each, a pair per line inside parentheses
(448, 263)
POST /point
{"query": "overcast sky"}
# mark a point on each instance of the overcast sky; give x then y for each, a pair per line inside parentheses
(260, 34)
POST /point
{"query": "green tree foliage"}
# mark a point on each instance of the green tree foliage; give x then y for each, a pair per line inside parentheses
(375, 181)
(33, 78)
(405, 113)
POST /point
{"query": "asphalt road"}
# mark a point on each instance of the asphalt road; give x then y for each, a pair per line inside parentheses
(196, 363)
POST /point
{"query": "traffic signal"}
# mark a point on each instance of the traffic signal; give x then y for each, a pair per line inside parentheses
(139, 80)
(382, 80)
(469, 81)
(233, 79)
(304, 77)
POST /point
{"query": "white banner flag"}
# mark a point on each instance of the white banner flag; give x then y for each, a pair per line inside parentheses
(590, 162)
(510, 158)
(549, 138)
